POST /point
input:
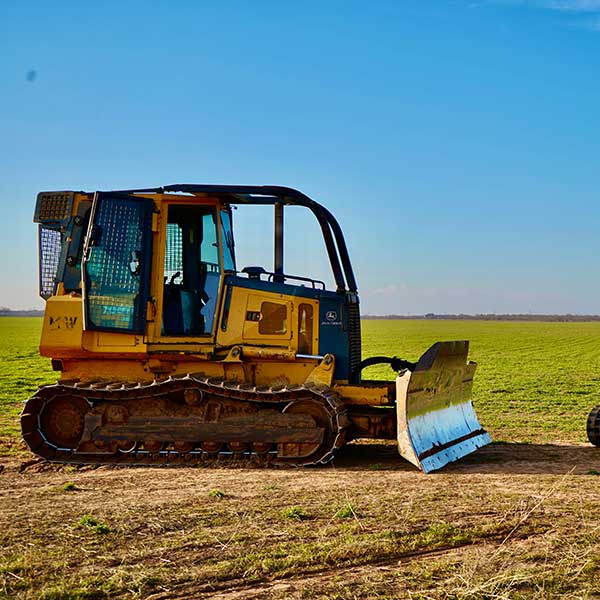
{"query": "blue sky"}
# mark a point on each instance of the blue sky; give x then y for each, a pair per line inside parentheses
(456, 141)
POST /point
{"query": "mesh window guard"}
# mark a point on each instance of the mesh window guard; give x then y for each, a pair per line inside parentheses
(49, 248)
(173, 258)
(114, 292)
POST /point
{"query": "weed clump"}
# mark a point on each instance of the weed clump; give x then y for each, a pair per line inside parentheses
(218, 494)
(70, 487)
(96, 526)
(346, 512)
(294, 512)
(442, 534)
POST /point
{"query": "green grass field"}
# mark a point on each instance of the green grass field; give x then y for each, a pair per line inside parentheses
(22, 370)
(510, 522)
(536, 382)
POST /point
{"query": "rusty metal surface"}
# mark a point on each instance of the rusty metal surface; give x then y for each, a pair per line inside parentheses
(185, 429)
(372, 422)
(437, 423)
(137, 423)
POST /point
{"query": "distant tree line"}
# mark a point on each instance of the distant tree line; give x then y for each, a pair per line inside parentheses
(491, 317)
(7, 312)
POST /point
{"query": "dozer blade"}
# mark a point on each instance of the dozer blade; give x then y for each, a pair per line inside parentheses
(436, 420)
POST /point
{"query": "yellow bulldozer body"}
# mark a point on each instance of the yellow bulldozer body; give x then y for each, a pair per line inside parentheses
(180, 313)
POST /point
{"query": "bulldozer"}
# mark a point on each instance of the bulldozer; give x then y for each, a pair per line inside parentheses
(167, 353)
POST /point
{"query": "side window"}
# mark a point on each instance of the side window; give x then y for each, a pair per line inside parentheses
(273, 318)
(192, 273)
(173, 254)
(209, 248)
(228, 246)
(305, 329)
(210, 269)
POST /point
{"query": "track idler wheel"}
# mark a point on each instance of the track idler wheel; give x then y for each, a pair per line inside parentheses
(126, 446)
(62, 421)
(593, 426)
(290, 452)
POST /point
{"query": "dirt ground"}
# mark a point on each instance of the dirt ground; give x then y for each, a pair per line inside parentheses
(510, 521)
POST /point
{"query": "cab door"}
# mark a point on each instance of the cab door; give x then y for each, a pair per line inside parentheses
(192, 274)
(116, 263)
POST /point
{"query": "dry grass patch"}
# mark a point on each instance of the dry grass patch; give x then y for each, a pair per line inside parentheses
(447, 536)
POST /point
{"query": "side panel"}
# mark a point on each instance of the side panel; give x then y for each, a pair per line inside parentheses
(268, 319)
(63, 327)
(110, 341)
(116, 266)
(328, 319)
(256, 317)
(333, 334)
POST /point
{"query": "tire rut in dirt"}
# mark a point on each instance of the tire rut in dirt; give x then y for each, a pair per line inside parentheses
(233, 586)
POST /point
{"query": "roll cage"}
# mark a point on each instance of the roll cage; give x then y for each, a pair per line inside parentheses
(278, 197)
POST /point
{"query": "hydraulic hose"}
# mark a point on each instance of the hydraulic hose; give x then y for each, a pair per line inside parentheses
(396, 363)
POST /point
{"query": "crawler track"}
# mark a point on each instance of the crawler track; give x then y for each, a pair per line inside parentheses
(184, 420)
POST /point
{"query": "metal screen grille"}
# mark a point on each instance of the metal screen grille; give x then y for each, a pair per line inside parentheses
(173, 251)
(113, 292)
(49, 250)
(55, 207)
(355, 339)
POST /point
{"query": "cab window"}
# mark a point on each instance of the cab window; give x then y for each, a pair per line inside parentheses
(273, 320)
(228, 246)
(192, 271)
